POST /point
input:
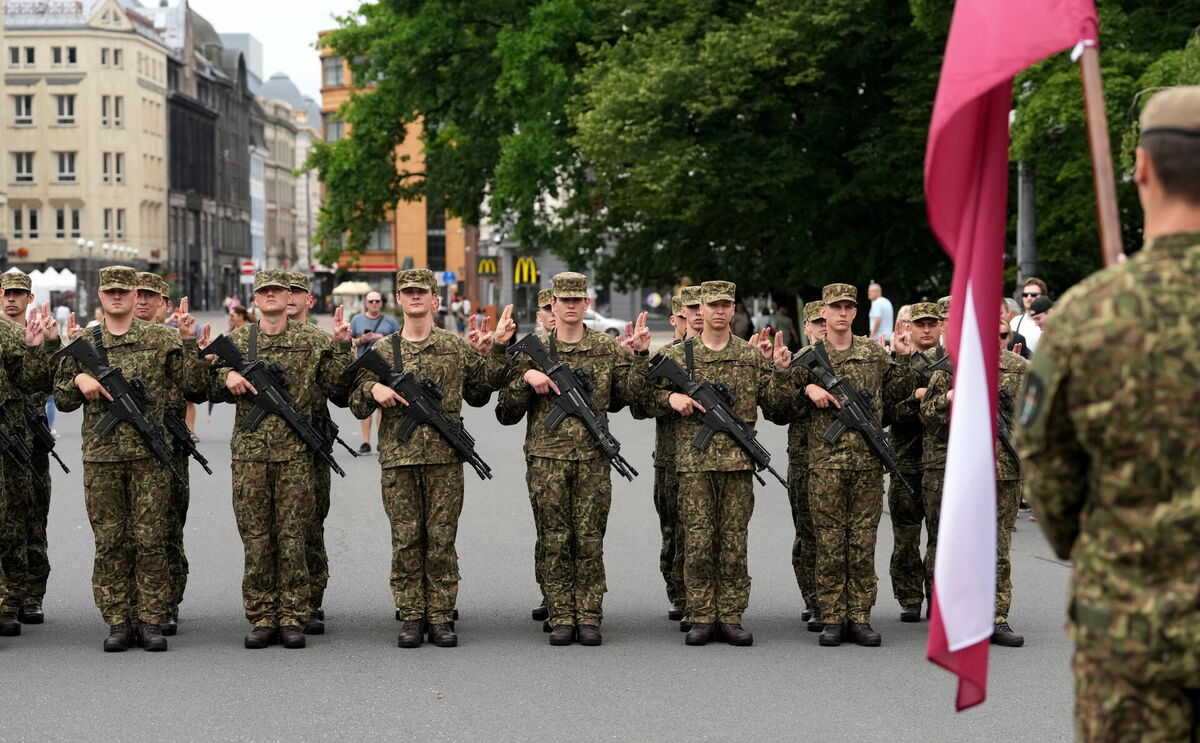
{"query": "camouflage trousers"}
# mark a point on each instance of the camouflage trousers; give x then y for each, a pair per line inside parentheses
(670, 555)
(23, 535)
(846, 508)
(804, 547)
(539, 560)
(931, 500)
(127, 505)
(714, 511)
(1111, 707)
(273, 505)
(314, 538)
(177, 564)
(423, 503)
(572, 499)
(907, 510)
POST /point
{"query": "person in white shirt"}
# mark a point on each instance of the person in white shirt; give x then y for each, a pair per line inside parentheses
(882, 315)
(1024, 323)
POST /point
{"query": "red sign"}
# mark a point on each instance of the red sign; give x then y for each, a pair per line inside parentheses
(247, 268)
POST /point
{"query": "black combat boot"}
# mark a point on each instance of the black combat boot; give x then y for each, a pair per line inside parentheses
(443, 635)
(31, 614)
(541, 612)
(410, 634)
(806, 614)
(320, 614)
(9, 627)
(735, 634)
(314, 625)
(170, 622)
(815, 623)
(292, 637)
(831, 635)
(151, 638)
(546, 625)
(261, 637)
(1004, 635)
(563, 634)
(700, 634)
(910, 613)
(862, 634)
(675, 613)
(120, 638)
(685, 624)
(589, 634)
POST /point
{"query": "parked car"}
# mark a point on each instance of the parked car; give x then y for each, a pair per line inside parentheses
(596, 321)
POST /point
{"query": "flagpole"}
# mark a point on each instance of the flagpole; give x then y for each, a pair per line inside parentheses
(1102, 163)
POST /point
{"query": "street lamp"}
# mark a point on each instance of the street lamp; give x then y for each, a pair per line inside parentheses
(85, 274)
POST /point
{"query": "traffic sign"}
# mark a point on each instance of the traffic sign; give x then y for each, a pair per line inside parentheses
(247, 267)
(449, 277)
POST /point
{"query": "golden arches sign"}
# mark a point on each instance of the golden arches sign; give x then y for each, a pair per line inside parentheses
(487, 267)
(525, 271)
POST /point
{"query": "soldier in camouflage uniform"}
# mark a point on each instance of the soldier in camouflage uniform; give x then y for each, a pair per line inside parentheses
(568, 475)
(126, 489)
(845, 481)
(1108, 439)
(541, 613)
(272, 466)
(23, 548)
(907, 509)
(422, 477)
(715, 486)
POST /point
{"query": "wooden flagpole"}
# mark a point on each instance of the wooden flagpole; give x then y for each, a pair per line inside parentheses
(1102, 162)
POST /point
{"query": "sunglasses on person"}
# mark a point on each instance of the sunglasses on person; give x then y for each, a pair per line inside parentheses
(1031, 294)
(374, 301)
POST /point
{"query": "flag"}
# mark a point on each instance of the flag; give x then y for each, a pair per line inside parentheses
(966, 190)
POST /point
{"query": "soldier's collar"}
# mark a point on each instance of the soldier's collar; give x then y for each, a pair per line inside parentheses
(1174, 240)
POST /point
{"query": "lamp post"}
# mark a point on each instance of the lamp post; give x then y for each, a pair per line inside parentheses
(84, 275)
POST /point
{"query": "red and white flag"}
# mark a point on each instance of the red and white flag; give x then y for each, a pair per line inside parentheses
(966, 190)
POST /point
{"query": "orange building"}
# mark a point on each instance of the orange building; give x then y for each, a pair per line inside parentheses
(411, 237)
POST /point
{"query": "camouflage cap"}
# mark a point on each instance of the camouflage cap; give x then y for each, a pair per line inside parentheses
(271, 277)
(924, 311)
(544, 297)
(717, 291)
(839, 293)
(1173, 111)
(677, 305)
(943, 306)
(415, 278)
(16, 280)
(118, 277)
(812, 311)
(298, 282)
(569, 285)
(152, 282)
(690, 295)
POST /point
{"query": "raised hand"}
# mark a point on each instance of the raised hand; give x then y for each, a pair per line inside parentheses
(506, 327)
(341, 328)
(72, 329)
(764, 343)
(781, 353)
(626, 340)
(902, 342)
(483, 338)
(205, 336)
(185, 320)
(35, 332)
(472, 333)
(641, 333)
(49, 324)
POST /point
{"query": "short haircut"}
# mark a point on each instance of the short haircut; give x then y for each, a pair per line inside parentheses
(1036, 282)
(1011, 305)
(874, 285)
(1176, 160)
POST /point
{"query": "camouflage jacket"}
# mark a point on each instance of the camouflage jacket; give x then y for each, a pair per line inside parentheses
(1110, 439)
(741, 366)
(315, 365)
(616, 374)
(153, 353)
(1012, 375)
(904, 417)
(13, 416)
(869, 368)
(454, 366)
(789, 407)
(666, 427)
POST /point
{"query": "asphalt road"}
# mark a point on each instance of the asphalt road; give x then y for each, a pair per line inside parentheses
(504, 682)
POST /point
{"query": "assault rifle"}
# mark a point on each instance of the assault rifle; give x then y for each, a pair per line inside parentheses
(717, 401)
(129, 400)
(179, 430)
(271, 381)
(857, 411)
(12, 444)
(924, 368)
(424, 406)
(42, 435)
(1004, 412)
(324, 423)
(574, 398)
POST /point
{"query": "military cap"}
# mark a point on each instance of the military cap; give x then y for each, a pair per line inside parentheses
(569, 285)
(812, 311)
(690, 296)
(152, 282)
(717, 291)
(943, 305)
(271, 277)
(118, 277)
(924, 311)
(677, 305)
(1040, 305)
(1173, 111)
(415, 278)
(544, 297)
(16, 280)
(298, 282)
(839, 293)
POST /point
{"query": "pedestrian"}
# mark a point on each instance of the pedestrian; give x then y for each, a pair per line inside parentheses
(127, 490)
(1040, 310)
(1009, 310)
(742, 326)
(782, 322)
(1024, 323)
(272, 465)
(763, 319)
(366, 329)
(1109, 442)
(422, 476)
(881, 314)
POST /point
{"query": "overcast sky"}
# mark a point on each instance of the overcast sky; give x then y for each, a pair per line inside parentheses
(287, 29)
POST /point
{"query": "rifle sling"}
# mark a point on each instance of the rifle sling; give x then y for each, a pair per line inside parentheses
(397, 355)
(98, 342)
(252, 345)
(553, 347)
(689, 356)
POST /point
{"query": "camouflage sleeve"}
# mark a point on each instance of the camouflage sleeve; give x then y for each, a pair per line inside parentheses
(1054, 465)
(515, 396)
(782, 402)
(483, 374)
(188, 370)
(67, 396)
(360, 400)
(629, 381)
(899, 382)
(331, 370)
(935, 408)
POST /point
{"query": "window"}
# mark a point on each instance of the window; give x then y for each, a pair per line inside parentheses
(108, 218)
(118, 111)
(381, 238)
(76, 222)
(105, 107)
(60, 222)
(23, 167)
(29, 57)
(72, 56)
(106, 169)
(14, 56)
(18, 222)
(119, 171)
(56, 56)
(66, 110)
(23, 110)
(33, 223)
(104, 57)
(120, 224)
(335, 129)
(66, 167)
(116, 54)
(332, 68)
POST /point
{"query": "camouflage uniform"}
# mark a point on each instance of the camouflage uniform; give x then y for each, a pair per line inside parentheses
(905, 505)
(273, 467)
(126, 489)
(568, 475)
(666, 500)
(1110, 450)
(422, 478)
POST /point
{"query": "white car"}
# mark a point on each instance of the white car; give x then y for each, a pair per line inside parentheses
(596, 321)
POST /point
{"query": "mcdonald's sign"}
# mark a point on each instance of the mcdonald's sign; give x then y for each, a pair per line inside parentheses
(525, 272)
(487, 267)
